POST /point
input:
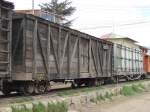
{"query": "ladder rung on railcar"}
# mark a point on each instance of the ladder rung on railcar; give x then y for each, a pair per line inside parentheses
(4, 29)
(3, 41)
(1, 51)
(4, 62)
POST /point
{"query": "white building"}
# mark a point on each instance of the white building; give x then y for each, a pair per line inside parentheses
(118, 39)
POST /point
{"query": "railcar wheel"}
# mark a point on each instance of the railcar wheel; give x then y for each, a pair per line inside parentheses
(23, 90)
(30, 88)
(6, 91)
(99, 82)
(79, 84)
(90, 83)
(27, 88)
(36, 90)
(41, 88)
(73, 85)
(48, 87)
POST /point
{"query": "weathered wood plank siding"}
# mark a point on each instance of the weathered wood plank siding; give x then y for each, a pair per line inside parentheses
(50, 51)
(5, 38)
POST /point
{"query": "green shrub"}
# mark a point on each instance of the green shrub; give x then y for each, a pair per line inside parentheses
(127, 91)
(98, 98)
(101, 97)
(51, 107)
(132, 89)
(38, 107)
(136, 88)
(57, 107)
(108, 95)
(141, 85)
(22, 108)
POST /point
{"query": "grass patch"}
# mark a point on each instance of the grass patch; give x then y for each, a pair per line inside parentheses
(22, 108)
(22, 99)
(93, 100)
(57, 107)
(76, 91)
(127, 91)
(100, 97)
(108, 95)
(50, 107)
(39, 108)
(141, 85)
(137, 88)
(132, 89)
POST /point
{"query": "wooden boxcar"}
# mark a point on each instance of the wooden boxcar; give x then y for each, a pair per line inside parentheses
(128, 62)
(43, 51)
(5, 41)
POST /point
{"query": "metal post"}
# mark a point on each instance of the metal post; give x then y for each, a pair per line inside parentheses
(33, 7)
(113, 26)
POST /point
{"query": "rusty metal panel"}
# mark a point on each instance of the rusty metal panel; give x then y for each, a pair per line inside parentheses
(5, 38)
(56, 52)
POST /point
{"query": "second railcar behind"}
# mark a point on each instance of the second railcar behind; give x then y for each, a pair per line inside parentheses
(128, 62)
(43, 51)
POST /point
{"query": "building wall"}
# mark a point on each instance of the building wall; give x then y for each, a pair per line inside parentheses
(37, 12)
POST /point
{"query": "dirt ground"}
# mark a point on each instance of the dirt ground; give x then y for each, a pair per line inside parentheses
(137, 103)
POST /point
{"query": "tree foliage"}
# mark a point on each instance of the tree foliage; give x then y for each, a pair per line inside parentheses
(63, 9)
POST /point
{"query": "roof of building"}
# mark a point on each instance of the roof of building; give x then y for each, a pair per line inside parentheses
(112, 36)
(28, 10)
(143, 47)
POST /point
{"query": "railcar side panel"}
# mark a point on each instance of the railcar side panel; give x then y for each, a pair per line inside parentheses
(5, 42)
(51, 51)
(127, 61)
(5, 38)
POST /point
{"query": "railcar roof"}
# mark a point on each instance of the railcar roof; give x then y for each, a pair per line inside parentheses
(22, 15)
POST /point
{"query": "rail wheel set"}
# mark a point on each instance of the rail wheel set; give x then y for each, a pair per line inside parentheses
(34, 52)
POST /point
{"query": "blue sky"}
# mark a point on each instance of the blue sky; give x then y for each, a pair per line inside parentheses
(94, 17)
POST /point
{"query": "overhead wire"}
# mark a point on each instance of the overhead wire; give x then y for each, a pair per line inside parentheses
(110, 26)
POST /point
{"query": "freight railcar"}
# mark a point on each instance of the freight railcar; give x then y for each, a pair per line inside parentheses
(34, 51)
(43, 51)
(128, 62)
(5, 42)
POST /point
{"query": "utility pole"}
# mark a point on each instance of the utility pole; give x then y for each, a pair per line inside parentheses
(53, 14)
(114, 25)
(33, 7)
